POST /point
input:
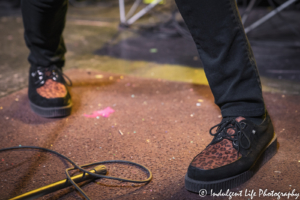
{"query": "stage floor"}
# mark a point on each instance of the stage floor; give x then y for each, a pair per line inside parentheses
(163, 128)
(155, 106)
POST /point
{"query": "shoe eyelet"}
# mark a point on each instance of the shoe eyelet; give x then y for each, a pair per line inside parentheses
(253, 131)
(54, 78)
(42, 82)
(243, 125)
(234, 144)
(33, 74)
(40, 77)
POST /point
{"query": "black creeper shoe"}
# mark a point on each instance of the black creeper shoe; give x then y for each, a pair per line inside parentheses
(47, 92)
(239, 149)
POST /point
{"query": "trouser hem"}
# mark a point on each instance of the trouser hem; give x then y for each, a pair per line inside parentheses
(235, 112)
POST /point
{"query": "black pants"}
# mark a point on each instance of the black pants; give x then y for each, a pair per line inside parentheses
(218, 33)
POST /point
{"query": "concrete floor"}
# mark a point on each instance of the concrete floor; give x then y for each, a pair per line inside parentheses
(147, 76)
(89, 28)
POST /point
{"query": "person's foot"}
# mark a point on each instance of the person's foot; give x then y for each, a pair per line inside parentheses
(239, 149)
(47, 92)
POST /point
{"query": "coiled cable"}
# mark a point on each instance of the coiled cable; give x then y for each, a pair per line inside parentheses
(87, 165)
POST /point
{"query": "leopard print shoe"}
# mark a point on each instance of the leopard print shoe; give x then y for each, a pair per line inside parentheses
(239, 149)
(47, 92)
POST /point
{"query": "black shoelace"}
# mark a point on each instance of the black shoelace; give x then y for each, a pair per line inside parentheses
(52, 72)
(236, 138)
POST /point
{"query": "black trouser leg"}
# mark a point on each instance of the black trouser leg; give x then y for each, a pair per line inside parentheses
(228, 60)
(44, 22)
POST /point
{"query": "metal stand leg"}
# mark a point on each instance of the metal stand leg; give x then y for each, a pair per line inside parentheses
(248, 10)
(138, 15)
(269, 15)
(133, 8)
(122, 11)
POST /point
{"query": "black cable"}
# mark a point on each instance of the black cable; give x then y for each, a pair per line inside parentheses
(87, 165)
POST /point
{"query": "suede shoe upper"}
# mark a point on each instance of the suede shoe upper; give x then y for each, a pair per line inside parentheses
(52, 89)
(219, 153)
(236, 145)
(47, 87)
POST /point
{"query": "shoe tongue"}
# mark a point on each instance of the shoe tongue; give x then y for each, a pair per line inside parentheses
(48, 73)
(231, 131)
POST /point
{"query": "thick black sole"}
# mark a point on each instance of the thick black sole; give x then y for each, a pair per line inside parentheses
(53, 111)
(232, 182)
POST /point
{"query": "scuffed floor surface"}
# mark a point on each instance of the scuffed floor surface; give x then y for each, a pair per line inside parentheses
(163, 128)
